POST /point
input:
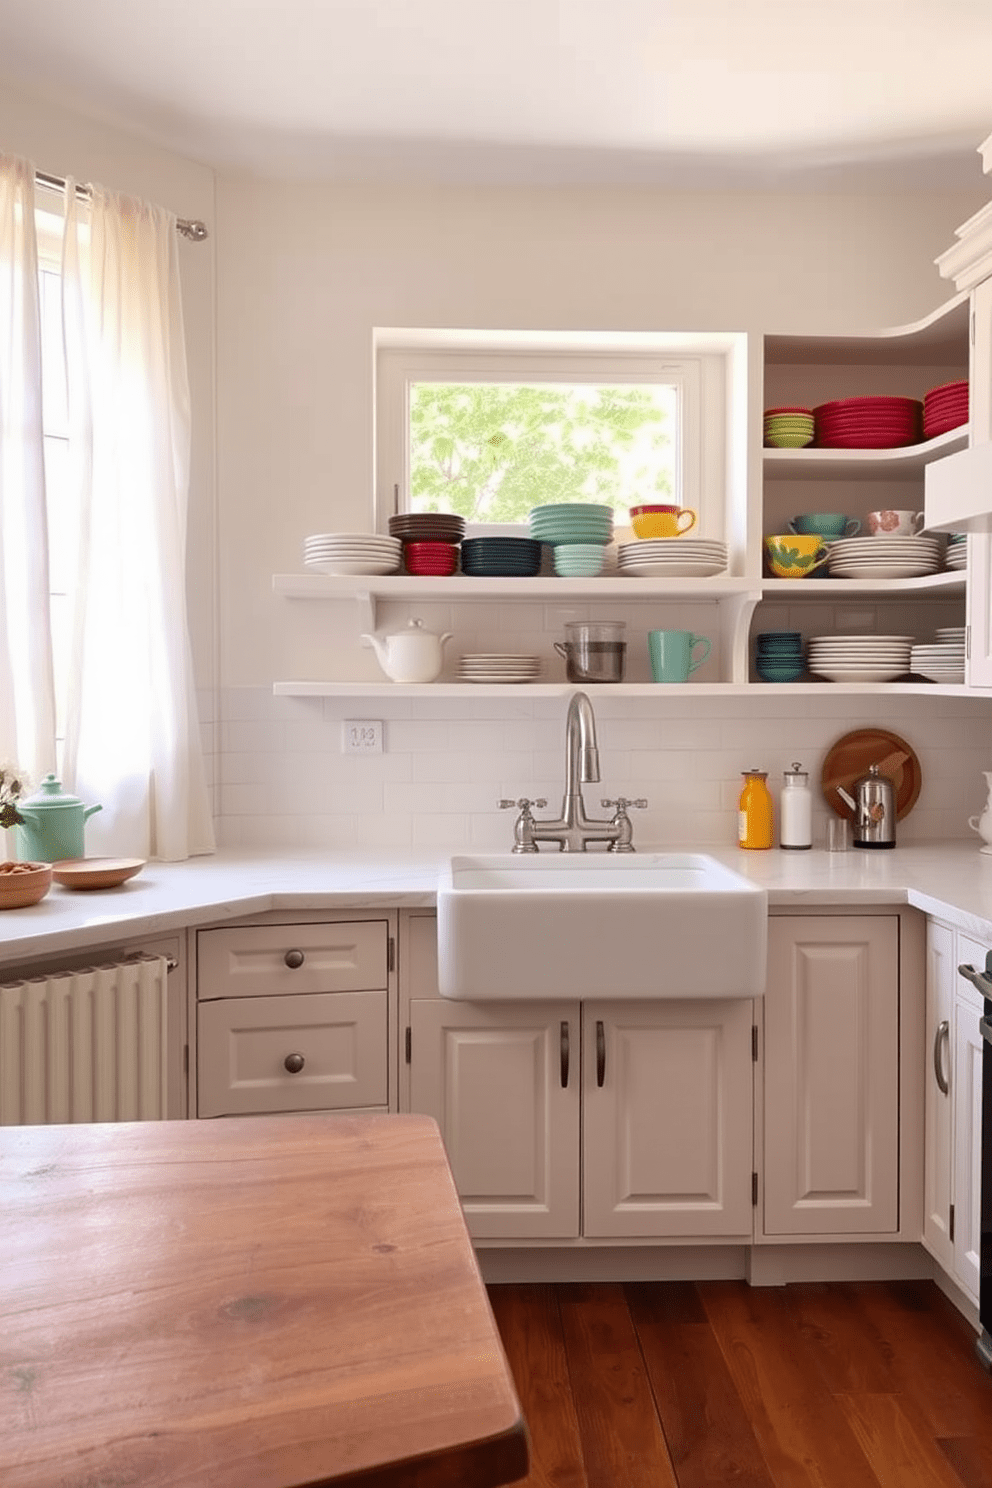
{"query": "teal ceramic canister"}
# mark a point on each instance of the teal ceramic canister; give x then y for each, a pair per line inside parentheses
(52, 829)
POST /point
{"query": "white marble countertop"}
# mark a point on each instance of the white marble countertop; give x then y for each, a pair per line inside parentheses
(951, 880)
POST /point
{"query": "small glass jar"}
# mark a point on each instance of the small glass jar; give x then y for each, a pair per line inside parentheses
(755, 812)
(796, 810)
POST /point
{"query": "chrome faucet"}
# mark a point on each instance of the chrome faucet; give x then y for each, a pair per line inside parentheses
(573, 830)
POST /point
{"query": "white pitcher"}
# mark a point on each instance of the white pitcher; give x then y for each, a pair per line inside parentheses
(983, 824)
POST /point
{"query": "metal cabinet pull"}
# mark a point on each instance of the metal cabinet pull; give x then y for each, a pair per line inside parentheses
(943, 1033)
(294, 1063)
(294, 959)
(563, 1036)
(600, 1052)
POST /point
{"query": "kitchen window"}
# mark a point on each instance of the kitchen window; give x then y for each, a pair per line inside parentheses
(492, 429)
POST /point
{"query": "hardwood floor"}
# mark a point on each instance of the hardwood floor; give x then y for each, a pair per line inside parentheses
(701, 1385)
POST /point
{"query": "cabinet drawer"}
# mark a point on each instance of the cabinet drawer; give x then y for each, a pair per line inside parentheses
(244, 1043)
(349, 956)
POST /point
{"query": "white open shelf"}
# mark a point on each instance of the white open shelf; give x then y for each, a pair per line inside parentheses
(426, 691)
(461, 587)
(875, 464)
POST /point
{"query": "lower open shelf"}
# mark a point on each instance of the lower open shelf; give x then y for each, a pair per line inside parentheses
(428, 690)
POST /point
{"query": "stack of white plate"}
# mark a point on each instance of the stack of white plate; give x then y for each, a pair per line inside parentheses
(947, 635)
(866, 658)
(884, 557)
(943, 662)
(352, 553)
(498, 666)
(672, 558)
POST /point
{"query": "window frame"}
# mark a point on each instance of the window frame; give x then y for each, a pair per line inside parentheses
(697, 365)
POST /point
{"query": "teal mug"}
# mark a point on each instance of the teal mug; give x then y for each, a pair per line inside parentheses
(828, 525)
(673, 654)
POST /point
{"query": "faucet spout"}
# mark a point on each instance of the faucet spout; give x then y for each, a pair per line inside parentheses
(581, 747)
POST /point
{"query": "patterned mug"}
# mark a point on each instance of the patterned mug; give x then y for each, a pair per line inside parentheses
(895, 523)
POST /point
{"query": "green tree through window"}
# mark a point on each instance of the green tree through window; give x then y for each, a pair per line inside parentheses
(493, 451)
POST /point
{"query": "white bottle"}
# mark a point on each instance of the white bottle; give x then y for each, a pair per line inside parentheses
(796, 813)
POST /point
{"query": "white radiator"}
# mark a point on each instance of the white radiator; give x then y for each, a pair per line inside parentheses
(85, 1045)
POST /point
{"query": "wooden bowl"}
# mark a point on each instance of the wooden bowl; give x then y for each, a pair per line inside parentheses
(22, 884)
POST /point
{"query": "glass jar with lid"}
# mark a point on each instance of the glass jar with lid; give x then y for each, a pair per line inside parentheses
(796, 810)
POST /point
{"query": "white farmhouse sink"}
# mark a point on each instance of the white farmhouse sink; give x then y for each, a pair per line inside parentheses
(598, 925)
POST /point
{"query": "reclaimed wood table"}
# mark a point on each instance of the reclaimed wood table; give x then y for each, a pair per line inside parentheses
(255, 1302)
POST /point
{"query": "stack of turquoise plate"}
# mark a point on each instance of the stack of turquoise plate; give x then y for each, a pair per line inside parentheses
(578, 560)
(572, 522)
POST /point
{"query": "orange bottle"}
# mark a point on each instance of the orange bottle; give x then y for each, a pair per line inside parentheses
(755, 812)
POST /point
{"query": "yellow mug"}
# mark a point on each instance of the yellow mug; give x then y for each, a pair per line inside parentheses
(794, 555)
(662, 521)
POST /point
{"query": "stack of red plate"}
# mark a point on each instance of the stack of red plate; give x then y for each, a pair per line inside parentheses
(430, 559)
(868, 423)
(944, 408)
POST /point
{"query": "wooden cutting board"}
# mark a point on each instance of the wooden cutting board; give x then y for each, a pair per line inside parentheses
(850, 757)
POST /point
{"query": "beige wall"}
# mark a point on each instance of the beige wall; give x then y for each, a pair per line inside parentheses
(294, 278)
(304, 274)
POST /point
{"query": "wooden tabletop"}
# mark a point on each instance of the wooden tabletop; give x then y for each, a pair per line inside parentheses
(257, 1302)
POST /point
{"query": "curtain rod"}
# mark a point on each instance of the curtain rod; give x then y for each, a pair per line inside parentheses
(195, 230)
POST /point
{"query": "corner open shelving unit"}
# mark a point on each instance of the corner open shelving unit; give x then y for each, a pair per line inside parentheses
(793, 369)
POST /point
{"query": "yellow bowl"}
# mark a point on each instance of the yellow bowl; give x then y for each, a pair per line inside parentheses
(22, 884)
(663, 523)
(794, 555)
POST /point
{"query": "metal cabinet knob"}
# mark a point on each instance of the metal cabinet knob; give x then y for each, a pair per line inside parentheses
(294, 959)
(294, 1063)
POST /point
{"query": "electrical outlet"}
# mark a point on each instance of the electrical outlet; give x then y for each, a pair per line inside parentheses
(362, 736)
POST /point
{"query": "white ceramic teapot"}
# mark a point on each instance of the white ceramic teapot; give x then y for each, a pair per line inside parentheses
(983, 824)
(412, 654)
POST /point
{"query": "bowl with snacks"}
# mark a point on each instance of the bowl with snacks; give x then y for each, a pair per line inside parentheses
(22, 884)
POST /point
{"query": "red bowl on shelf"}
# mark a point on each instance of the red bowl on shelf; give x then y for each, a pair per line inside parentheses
(433, 559)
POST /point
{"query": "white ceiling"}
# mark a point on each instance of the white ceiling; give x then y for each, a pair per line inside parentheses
(705, 92)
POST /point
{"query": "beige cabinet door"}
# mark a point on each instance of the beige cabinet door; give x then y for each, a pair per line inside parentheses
(317, 1052)
(939, 1090)
(667, 1118)
(502, 1082)
(831, 1079)
(967, 1142)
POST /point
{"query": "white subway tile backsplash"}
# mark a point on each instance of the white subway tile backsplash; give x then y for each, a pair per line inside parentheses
(283, 780)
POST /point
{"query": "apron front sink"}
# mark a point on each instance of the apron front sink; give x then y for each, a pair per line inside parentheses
(645, 925)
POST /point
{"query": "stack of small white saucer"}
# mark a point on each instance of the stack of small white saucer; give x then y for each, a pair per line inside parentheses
(498, 666)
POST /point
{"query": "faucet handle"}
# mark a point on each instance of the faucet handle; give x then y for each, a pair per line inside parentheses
(523, 827)
(623, 842)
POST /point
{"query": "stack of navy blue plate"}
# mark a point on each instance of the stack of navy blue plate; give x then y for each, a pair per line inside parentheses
(501, 557)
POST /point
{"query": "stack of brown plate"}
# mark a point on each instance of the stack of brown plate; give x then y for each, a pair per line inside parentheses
(868, 423)
(444, 527)
(945, 408)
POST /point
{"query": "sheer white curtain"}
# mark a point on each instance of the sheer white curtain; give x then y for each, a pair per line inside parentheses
(132, 741)
(27, 697)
